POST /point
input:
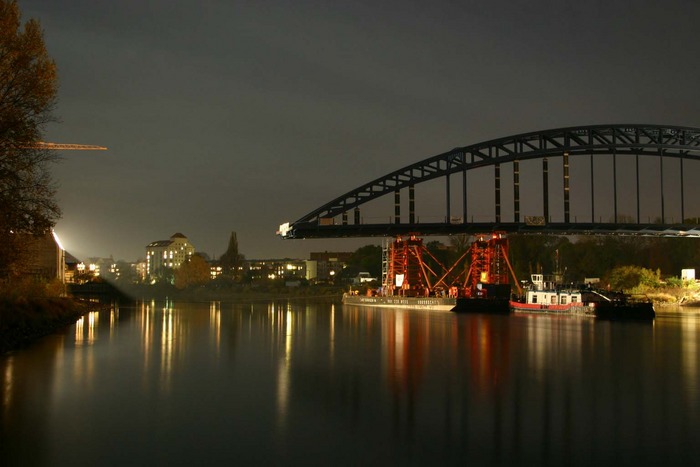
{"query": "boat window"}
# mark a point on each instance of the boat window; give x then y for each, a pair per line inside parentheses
(574, 298)
(563, 300)
(534, 299)
(554, 300)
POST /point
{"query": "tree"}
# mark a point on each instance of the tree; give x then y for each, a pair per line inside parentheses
(231, 261)
(628, 277)
(195, 271)
(28, 89)
(365, 259)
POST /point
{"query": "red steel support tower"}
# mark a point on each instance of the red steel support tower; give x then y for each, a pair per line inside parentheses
(405, 275)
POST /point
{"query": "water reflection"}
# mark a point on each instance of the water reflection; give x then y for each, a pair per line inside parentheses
(689, 359)
(264, 382)
(215, 324)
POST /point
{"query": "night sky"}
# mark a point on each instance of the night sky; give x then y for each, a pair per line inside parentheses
(228, 116)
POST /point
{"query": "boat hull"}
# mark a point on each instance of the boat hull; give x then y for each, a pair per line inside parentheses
(600, 310)
(482, 305)
(412, 303)
(460, 305)
(626, 311)
(570, 309)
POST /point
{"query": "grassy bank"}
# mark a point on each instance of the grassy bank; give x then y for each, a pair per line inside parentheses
(687, 294)
(25, 320)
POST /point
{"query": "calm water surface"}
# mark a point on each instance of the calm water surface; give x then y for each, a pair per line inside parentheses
(325, 384)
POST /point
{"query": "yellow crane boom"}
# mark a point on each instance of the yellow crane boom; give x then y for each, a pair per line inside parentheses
(64, 146)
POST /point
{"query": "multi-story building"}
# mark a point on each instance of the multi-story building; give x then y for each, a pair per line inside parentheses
(287, 269)
(321, 267)
(329, 264)
(162, 255)
(45, 257)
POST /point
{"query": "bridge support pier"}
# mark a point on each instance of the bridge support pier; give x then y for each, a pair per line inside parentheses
(565, 158)
(447, 198)
(397, 207)
(682, 196)
(497, 182)
(636, 162)
(593, 192)
(411, 204)
(614, 156)
(661, 180)
(516, 191)
(464, 196)
(545, 190)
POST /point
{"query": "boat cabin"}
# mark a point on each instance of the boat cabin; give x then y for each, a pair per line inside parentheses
(544, 291)
(553, 297)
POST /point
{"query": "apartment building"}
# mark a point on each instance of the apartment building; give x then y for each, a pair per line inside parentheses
(170, 254)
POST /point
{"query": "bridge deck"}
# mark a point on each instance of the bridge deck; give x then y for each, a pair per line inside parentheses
(313, 230)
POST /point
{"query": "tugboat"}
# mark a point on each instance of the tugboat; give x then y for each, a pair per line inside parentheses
(547, 295)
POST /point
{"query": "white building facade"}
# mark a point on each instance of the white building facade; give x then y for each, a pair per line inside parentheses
(169, 254)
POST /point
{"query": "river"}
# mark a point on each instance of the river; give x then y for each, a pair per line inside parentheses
(317, 383)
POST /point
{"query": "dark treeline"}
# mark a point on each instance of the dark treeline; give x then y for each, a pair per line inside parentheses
(596, 256)
(582, 256)
(577, 257)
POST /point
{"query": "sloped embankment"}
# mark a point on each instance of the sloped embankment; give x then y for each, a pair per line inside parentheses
(23, 320)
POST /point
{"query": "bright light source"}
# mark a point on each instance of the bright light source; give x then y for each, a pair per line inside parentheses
(284, 229)
(55, 237)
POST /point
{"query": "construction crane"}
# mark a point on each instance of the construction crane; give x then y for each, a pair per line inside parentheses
(63, 146)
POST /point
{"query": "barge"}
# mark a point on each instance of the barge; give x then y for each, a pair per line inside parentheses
(411, 303)
(459, 305)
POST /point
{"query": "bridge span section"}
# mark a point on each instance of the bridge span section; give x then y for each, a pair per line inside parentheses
(621, 179)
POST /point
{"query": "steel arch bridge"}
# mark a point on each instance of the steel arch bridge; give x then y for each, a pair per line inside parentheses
(596, 141)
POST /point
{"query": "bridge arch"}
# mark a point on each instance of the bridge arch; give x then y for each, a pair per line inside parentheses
(662, 141)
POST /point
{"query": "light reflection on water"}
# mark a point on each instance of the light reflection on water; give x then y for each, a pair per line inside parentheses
(292, 382)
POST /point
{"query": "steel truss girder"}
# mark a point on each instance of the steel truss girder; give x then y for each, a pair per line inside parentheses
(314, 230)
(642, 140)
(622, 139)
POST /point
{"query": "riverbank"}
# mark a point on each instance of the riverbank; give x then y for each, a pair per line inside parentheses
(204, 293)
(23, 320)
(670, 296)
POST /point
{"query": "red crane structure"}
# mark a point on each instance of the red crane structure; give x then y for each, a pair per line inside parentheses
(407, 274)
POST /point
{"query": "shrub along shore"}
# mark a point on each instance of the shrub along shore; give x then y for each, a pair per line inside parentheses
(23, 320)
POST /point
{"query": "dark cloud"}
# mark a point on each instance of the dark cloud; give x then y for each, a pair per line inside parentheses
(239, 116)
